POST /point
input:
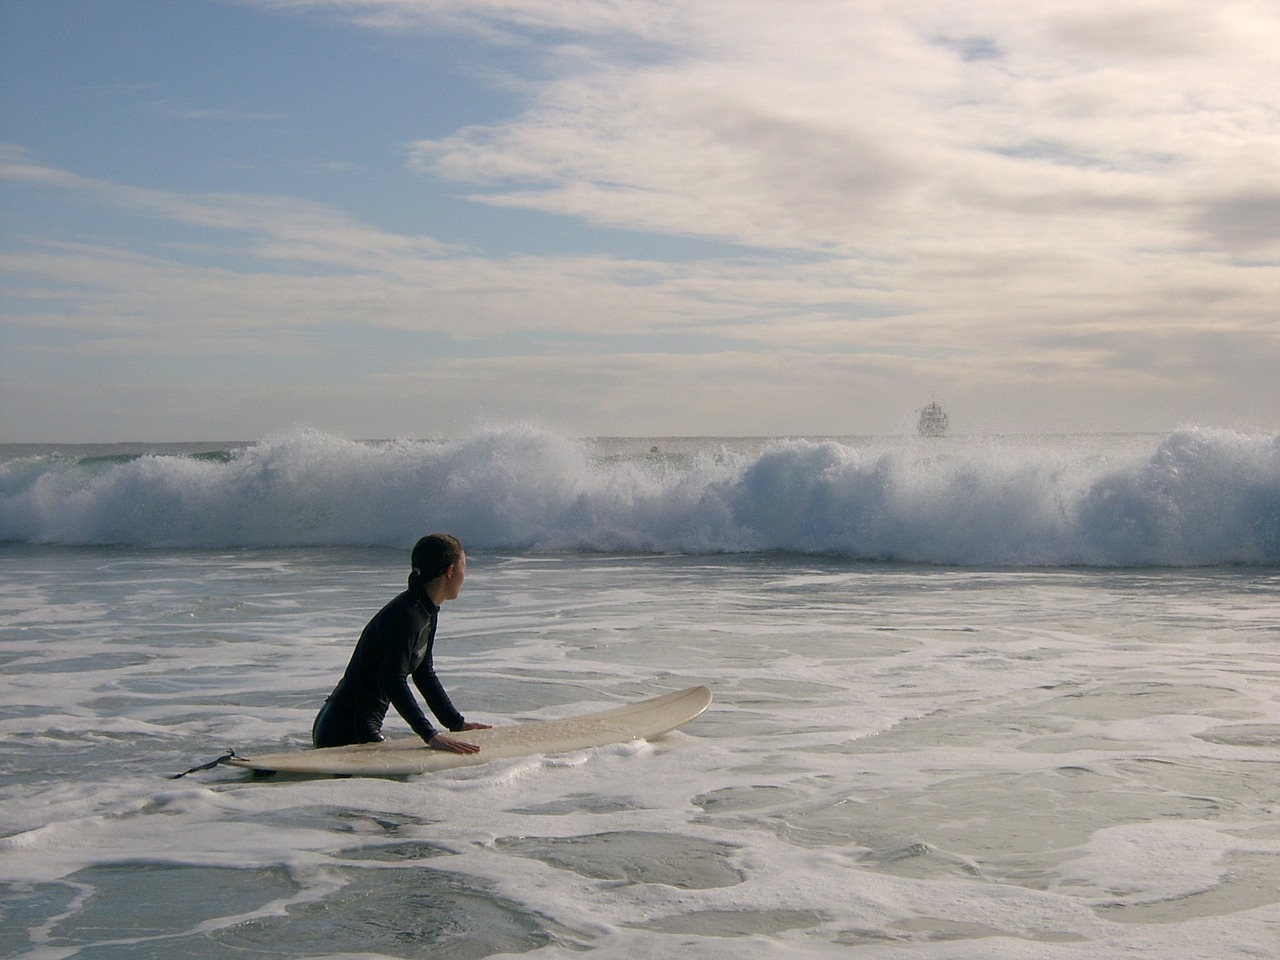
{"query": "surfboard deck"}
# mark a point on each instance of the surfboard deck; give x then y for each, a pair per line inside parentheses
(409, 755)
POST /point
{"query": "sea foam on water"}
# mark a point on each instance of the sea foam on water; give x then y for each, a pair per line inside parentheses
(975, 697)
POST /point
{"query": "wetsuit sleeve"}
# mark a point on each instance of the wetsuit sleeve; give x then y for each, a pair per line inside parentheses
(395, 685)
(433, 692)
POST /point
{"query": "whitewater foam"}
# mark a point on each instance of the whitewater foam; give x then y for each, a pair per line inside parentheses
(901, 761)
(1197, 497)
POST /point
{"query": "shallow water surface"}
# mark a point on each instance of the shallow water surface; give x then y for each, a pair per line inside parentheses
(900, 761)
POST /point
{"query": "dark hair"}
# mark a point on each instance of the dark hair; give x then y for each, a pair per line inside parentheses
(432, 556)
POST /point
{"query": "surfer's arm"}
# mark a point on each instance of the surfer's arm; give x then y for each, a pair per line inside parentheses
(432, 691)
(393, 679)
(402, 698)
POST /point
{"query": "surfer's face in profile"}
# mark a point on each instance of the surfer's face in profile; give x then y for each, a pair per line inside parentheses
(451, 579)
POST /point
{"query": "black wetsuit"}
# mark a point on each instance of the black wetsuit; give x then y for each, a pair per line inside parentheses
(395, 646)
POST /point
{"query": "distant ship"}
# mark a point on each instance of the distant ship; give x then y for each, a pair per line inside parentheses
(933, 421)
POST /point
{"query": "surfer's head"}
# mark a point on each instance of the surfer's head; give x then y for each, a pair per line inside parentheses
(435, 556)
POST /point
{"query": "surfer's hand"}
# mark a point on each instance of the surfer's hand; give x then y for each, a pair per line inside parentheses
(442, 741)
(475, 726)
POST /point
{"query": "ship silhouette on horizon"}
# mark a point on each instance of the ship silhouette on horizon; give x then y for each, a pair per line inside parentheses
(933, 420)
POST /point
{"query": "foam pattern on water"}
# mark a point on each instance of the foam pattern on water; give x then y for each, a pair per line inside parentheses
(900, 761)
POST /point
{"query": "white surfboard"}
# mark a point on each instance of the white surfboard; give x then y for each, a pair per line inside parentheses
(637, 721)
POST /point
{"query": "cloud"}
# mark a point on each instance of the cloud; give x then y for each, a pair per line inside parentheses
(282, 229)
(1150, 31)
(1241, 222)
(850, 127)
(169, 108)
(853, 128)
(504, 20)
(371, 278)
(1073, 198)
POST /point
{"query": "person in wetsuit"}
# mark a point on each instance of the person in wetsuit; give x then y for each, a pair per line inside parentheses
(395, 646)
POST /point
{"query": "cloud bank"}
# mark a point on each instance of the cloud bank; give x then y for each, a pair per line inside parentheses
(1065, 217)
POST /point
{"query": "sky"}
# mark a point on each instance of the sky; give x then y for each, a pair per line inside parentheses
(228, 219)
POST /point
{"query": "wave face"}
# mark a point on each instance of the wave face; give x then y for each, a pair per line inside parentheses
(1197, 497)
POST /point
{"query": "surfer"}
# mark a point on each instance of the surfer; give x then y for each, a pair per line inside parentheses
(395, 646)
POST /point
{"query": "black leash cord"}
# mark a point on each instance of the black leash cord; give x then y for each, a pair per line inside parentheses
(229, 755)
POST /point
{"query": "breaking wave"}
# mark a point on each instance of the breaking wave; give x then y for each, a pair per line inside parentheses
(1197, 497)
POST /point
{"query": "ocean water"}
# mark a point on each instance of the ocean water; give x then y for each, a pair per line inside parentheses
(979, 697)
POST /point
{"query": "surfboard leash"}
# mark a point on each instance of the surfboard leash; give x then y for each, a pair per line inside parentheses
(229, 755)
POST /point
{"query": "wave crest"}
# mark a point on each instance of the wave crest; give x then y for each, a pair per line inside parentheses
(1202, 497)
